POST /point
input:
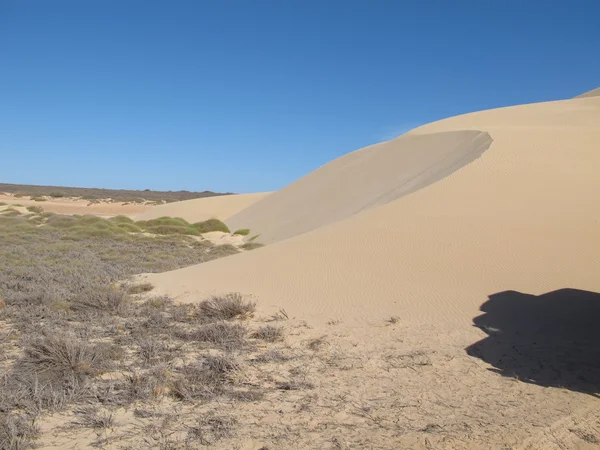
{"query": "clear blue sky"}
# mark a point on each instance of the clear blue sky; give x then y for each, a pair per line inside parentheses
(248, 95)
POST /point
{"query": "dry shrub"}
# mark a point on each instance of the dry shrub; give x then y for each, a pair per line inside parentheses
(53, 356)
(106, 299)
(220, 334)
(269, 333)
(226, 307)
(210, 429)
(140, 288)
(93, 417)
(17, 431)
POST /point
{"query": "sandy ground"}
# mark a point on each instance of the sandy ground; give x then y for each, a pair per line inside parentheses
(488, 347)
(197, 210)
(74, 206)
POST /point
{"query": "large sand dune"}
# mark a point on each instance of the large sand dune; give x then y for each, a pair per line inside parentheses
(524, 216)
(199, 209)
(361, 180)
(506, 232)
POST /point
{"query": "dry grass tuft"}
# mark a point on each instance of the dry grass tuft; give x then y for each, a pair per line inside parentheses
(140, 288)
(227, 307)
(17, 431)
(269, 333)
(210, 429)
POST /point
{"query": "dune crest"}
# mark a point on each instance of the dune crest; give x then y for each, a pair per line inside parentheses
(592, 93)
(359, 181)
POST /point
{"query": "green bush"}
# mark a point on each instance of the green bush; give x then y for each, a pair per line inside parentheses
(177, 221)
(57, 194)
(37, 199)
(35, 209)
(10, 212)
(130, 227)
(211, 225)
(172, 229)
(121, 219)
(242, 232)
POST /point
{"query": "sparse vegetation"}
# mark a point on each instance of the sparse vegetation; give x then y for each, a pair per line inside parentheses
(269, 333)
(211, 225)
(37, 198)
(251, 246)
(227, 307)
(35, 209)
(83, 340)
(96, 194)
(242, 232)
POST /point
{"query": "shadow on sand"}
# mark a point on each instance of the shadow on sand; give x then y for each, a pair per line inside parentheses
(550, 340)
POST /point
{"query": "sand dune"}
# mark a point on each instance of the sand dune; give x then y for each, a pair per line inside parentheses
(504, 233)
(199, 209)
(521, 217)
(361, 180)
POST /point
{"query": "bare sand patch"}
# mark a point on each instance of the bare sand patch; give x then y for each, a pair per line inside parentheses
(201, 209)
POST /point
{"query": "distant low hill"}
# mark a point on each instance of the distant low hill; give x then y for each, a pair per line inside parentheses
(97, 193)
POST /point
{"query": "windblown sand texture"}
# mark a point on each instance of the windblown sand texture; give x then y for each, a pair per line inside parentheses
(427, 228)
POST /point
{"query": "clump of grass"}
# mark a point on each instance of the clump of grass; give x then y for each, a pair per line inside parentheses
(17, 431)
(140, 288)
(129, 228)
(269, 333)
(242, 232)
(56, 194)
(251, 246)
(221, 334)
(3, 203)
(211, 225)
(168, 225)
(106, 299)
(10, 212)
(121, 219)
(226, 307)
(55, 355)
(35, 209)
(93, 417)
(210, 429)
(37, 199)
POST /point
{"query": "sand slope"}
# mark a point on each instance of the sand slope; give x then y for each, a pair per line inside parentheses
(199, 209)
(592, 93)
(361, 180)
(522, 217)
(499, 237)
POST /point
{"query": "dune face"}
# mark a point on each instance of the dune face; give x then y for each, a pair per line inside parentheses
(361, 180)
(592, 93)
(522, 217)
(514, 234)
(199, 209)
